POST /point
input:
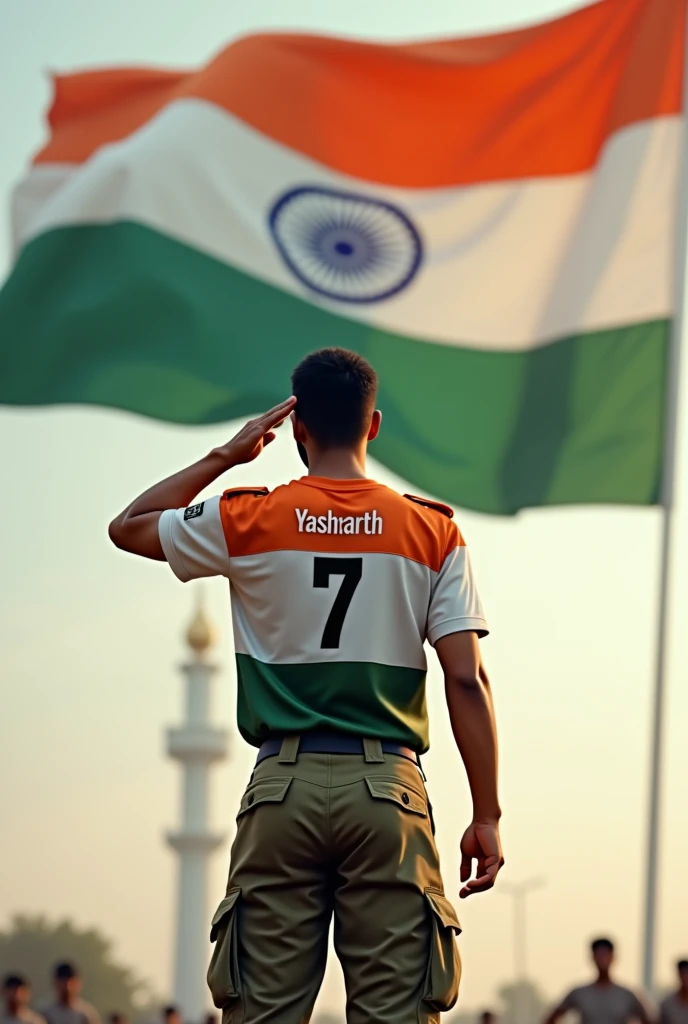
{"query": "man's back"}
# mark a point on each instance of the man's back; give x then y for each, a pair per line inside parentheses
(336, 585)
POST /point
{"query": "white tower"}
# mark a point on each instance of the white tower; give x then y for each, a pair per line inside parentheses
(196, 745)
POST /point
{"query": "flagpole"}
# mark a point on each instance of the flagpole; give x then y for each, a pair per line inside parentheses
(667, 505)
(653, 825)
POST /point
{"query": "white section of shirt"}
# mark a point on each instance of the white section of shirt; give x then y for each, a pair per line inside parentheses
(195, 547)
(455, 604)
(280, 616)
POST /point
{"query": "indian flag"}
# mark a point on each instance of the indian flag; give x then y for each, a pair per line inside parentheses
(491, 221)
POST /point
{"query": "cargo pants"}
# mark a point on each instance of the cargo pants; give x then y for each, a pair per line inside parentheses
(335, 835)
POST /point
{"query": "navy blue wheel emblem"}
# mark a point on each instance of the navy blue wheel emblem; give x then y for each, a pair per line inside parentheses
(345, 246)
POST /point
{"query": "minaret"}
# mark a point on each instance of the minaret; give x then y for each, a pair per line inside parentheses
(196, 745)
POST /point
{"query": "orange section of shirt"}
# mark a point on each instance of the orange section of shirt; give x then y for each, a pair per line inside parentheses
(340, 516)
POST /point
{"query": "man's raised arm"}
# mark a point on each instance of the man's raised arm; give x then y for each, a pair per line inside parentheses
(136, 528)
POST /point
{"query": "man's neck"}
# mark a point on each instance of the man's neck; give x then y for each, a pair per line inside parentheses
(66, 1001)
(683, 994)
(338, 464)
(603, 978)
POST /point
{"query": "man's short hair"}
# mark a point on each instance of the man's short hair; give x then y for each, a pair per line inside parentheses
(335, 391)
(14, 981)
(602, 944)
(682, 965)
(65, 970)
(170, 1010)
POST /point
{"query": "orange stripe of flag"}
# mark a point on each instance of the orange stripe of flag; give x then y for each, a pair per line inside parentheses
(534, 102)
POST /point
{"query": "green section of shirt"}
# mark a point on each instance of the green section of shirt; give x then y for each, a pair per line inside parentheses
(361, 698)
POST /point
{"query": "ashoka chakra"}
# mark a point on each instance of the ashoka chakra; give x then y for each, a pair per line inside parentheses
(345, 246)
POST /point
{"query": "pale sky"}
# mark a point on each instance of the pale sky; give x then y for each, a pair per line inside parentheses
(91, 638)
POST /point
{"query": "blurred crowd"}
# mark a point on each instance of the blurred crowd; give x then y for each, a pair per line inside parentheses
(67, 1005)
(601, 1001)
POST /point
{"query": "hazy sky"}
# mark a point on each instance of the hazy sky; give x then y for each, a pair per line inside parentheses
(91, 638)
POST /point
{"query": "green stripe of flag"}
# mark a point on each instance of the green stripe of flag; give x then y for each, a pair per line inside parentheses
(120, 315)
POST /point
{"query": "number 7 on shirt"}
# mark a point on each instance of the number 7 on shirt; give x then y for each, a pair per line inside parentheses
(352, 570)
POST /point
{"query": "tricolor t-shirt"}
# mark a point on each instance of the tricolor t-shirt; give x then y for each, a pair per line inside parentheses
(335, 586)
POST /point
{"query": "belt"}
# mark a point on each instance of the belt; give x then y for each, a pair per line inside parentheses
(331, 743)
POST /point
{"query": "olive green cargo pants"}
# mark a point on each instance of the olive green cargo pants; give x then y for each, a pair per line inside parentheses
(335, 834)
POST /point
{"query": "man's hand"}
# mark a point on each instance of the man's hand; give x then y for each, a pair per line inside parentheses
(480, 843)
(255, 435)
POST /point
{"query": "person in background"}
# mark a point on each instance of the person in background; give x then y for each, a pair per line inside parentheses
(16, 996)
(487, 1017)
(118, 1018)
(674, 1009)
(171, 1015)
(602, 1001)
(69, 1007)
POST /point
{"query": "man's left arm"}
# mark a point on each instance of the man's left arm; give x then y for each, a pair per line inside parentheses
(455, 621)
(136, 529)
(641, 1011)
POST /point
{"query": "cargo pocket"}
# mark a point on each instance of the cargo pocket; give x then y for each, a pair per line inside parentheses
(223, 973)
(444, 965)
(391, 789)
(265, 791)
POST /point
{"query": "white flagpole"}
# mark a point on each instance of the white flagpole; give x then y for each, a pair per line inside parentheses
(667, 504)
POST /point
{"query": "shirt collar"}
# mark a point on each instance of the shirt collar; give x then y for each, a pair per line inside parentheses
(325, 483)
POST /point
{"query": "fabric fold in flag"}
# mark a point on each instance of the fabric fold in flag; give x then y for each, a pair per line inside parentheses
(490, 220)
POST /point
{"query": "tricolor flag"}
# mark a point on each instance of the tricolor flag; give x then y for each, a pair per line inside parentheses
(492, 221)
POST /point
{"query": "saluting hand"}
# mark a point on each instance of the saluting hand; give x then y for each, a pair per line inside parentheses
(480, 842)
(255, 435)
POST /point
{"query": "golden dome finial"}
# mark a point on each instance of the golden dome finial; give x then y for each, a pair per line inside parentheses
(200, 635)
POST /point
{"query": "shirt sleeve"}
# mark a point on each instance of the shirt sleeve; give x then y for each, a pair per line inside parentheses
(455, 605)
(193, 540)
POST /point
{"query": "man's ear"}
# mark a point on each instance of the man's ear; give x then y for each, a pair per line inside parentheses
(374, 425)
(300, 438)
(298, 428)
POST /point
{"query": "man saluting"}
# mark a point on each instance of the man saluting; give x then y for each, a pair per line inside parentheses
(336, 582)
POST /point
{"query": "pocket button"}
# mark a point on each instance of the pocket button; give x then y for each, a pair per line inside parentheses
(405, 797)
